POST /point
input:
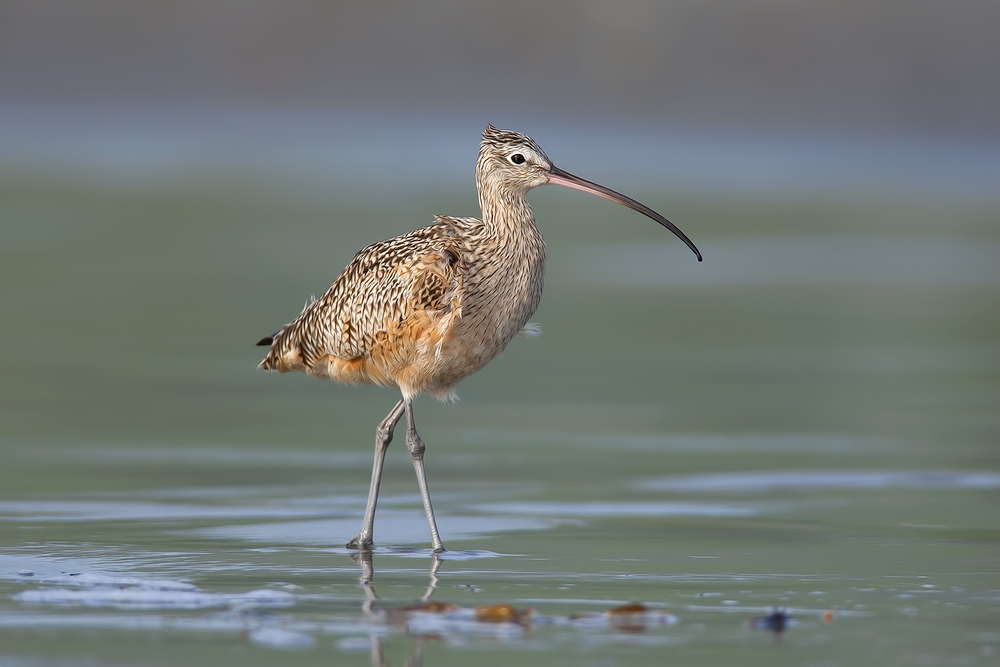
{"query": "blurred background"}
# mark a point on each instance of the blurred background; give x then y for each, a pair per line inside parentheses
(895, 68)
(177, 178)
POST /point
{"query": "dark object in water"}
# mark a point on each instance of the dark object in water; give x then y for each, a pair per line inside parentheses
(776, 621)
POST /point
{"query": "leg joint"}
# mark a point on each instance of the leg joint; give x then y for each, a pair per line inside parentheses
(383, 434)
(415, 444)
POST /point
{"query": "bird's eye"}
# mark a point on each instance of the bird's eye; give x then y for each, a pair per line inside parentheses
(517, 158)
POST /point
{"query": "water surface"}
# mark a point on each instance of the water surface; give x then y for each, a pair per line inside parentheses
(807, 421)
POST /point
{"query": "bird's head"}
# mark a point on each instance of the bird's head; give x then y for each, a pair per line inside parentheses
(512, 163)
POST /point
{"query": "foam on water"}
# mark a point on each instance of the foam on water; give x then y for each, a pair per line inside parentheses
(125, 591)
(139, 597)
(105, 580)
(281, 638)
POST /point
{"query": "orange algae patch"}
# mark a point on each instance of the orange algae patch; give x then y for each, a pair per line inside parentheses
(400, 614)
(630, 608)
(433, 607)
(502, 613)
(631, 617)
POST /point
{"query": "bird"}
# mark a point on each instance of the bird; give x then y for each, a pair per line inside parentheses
(425, 310)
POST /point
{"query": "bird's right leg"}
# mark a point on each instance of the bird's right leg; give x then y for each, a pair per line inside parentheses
(417, 447)
(383, 436)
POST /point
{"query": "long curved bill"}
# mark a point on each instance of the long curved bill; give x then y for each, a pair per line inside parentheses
(559, 177)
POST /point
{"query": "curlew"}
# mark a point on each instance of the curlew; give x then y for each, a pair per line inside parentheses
(425, 310)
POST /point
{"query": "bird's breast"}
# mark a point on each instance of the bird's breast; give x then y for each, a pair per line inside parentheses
(498, 299)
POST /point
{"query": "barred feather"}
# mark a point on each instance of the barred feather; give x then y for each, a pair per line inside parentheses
(424, 310)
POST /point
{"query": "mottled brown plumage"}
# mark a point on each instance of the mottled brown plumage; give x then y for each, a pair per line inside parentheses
(425, 310)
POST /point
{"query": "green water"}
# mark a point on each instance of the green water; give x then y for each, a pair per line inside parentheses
(813, 425)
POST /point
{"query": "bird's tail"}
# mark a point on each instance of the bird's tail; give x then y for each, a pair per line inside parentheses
(283, 355)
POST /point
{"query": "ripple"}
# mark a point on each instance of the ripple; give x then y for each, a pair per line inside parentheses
(396, 527)
(466, 555)
(97, 510)
(771, 480)
(613, 509)
(831, 443)
(138, 597)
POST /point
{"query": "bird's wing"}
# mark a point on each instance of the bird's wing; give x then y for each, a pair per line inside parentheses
(382, 288)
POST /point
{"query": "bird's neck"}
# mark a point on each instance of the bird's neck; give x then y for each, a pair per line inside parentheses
(506, 213)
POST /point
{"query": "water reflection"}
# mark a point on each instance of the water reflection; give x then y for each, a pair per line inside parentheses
(297, 592)
(428, 619)
(366, 559)
(416, 657)
(514, 607)
(397, 617)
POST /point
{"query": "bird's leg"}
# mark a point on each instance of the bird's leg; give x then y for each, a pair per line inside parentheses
(416, 658)
(383, 436)
(364, 557)
(416, 447)
(432, 584)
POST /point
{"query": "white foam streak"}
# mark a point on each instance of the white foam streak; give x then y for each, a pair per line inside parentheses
(137, 597)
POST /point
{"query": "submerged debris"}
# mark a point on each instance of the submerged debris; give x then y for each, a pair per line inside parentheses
(396, 615)
(503, 613)
(777, 621)
(432, 607)
(630, 609)
(632, 617)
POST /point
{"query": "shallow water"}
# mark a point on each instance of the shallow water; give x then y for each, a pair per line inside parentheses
(895, 566)
(778, 432)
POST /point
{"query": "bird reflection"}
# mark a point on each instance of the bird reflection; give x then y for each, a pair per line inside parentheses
(365, 559)
(426, 619)
(416, 658)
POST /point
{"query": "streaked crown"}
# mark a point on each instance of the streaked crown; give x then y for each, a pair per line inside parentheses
(512, 160)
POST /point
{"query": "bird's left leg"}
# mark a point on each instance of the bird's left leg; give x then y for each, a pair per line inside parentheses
(383, 436)
(416, 447)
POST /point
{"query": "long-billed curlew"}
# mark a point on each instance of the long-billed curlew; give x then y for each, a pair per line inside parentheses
(423, 311)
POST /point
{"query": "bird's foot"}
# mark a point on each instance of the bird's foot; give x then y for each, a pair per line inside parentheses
(362, 543)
